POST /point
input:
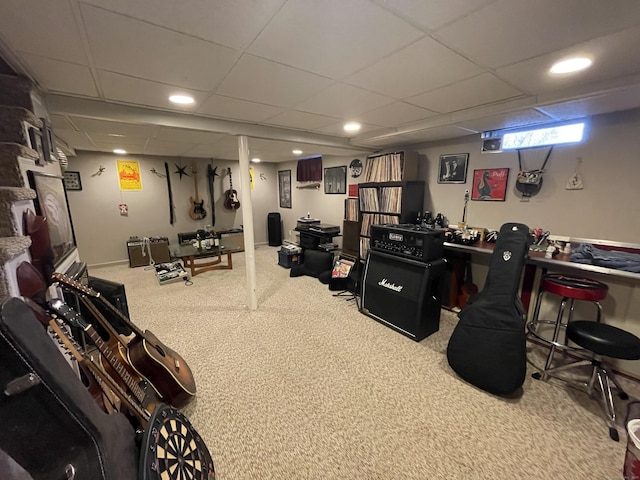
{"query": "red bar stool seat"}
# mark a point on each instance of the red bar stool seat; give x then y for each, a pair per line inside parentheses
(570, 289)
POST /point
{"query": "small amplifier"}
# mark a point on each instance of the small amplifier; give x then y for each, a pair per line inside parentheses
(408, 241)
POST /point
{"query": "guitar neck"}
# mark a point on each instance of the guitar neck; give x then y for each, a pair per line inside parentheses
(97, 371)
(116, 363)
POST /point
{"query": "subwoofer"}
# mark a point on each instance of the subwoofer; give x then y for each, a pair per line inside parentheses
(403, 294)
(274, 227)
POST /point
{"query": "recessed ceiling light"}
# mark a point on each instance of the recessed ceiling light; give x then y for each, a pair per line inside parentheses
(114, 135)
(297, 152)
(570, 65)
(182, 99)
(351, 127)
(119, 151)
(255, 160)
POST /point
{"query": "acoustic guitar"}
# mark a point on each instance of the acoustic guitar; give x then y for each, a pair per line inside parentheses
(196, 211)
(231, 201)
(468, 288)
(142, 391)
(165, 369)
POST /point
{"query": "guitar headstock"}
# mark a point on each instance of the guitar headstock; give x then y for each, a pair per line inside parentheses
(71, 284)
(466, 196)
(66, 313)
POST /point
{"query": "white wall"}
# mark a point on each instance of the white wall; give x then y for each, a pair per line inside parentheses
(328, 208)
(604, 209)
(102, 233)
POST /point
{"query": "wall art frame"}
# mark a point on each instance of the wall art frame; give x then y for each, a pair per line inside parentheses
(452, 168)
(51, 202)
(335, 180)
(35, 139)
(490, 184)
(72, 180)
(284, 188)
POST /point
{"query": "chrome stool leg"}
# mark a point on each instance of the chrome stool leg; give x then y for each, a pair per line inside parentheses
(607, 401)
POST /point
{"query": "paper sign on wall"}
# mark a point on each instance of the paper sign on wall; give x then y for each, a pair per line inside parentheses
(129, 174)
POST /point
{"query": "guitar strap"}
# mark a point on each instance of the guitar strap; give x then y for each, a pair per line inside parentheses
(211, 174)
(171, 207)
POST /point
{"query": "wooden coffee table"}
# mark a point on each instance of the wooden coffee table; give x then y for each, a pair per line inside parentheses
(199, 260)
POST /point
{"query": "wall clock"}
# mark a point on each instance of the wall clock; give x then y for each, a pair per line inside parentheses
(72, 180)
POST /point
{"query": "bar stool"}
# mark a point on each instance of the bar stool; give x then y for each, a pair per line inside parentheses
(570, 289)
(603, 341)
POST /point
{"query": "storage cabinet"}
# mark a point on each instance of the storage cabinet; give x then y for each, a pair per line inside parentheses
(390, 193)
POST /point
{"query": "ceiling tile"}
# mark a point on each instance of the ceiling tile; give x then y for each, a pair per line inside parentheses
(159, 147)
(62, 77)
(511, 31)
(47, 29)
(434, 13)
(531, 75)
(183, 135)
(421, 67)
(506, 120)
(233, 108)
(343, 101)
(91, 125)
(159, 53)
(59, 122)
(234, 23)
(332, 38)
(436, 133)
(398, 113)
(338, 130)
(105, 138)
(262, 81)
(480, 90)
(136, 91)
(622, 99)
(300, 120)
(133, 149)
(78, 140)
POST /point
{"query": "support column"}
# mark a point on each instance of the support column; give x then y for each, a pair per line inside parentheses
(247, 222)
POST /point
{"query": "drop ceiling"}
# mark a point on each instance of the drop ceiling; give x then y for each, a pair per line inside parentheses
(289, 73)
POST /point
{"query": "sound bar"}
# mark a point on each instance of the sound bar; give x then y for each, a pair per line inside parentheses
(403, 294)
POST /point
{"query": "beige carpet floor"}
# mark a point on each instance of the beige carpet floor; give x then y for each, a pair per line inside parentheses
(306, 387)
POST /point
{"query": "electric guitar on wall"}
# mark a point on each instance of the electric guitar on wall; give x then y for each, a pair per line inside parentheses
(162, 367)
(231, 201)
(196, 211)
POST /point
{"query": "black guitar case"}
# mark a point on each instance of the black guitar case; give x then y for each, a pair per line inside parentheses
(488, 345)
(50, 425)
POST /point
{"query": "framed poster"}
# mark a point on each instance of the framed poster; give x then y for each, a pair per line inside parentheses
(335, 180)
(284, 188)
(51, 202)
(453, 168)
(490, 184)
(129, 174)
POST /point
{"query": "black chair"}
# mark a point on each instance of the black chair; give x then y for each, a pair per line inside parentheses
(603, 341)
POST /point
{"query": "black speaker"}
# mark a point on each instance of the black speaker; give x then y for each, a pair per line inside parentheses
(274, 227)
(403, 294)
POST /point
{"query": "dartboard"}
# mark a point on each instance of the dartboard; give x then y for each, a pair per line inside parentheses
(173, 450)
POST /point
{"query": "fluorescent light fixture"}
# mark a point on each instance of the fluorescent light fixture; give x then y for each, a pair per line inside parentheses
(255, 160)
(352, 127)
(182, 99)
(570, 65)
(297, 152)
(119, 151)
(555, 135)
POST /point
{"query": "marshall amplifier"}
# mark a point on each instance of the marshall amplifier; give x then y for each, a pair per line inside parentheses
(403, 294)
(409, 241)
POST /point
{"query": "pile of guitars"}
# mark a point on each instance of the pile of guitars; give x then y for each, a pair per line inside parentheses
(112, 416)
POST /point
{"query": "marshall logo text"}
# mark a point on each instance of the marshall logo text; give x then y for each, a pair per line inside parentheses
(391, 286)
